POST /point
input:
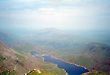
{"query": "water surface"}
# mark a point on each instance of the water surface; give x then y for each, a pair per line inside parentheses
(71, 69)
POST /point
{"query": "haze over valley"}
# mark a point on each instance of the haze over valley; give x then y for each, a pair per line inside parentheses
(54, 37)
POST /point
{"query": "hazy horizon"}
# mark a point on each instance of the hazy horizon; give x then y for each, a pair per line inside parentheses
(59, 14)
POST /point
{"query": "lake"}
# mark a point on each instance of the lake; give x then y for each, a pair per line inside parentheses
(71, 69)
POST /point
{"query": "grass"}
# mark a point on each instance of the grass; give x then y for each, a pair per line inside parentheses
(7, 72)
(44, 72)
(96, 73)
(2, 58)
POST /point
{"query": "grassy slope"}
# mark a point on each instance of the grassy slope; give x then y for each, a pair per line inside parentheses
(11, 60)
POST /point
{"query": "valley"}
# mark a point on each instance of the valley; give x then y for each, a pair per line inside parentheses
(72, 49)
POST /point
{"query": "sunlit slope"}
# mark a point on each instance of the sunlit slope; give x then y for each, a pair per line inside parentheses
(44, 72)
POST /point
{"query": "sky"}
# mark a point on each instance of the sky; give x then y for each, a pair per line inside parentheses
(60, 14)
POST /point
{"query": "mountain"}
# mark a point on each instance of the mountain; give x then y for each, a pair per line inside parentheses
(11, 60)
(15, 63)
(7, 55)
(100, 54)
(95, 56)
(88, 49)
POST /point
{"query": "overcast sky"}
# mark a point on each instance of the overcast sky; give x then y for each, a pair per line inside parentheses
(60, 14)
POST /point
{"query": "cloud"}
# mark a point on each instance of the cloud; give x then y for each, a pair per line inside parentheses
(17, 5)
(74, 14)
(76, 18)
